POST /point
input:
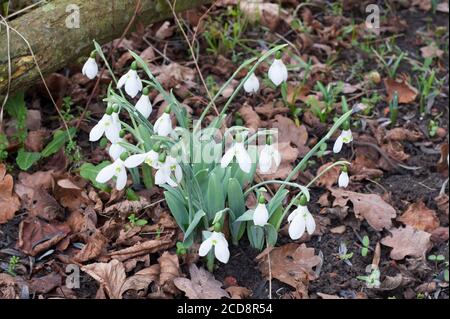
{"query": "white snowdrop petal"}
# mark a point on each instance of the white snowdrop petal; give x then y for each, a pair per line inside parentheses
(228, 157)
(121, 181)
(265, 159)
(221, 251)
(90, 68)
(115, 150)
(297, 227)
(205, 247)
(310, 224)
(243, 158)
(252, 84)
(338, 144)
(277, 72)
(343, 180)
(144, 106)
(135, 160)
(96, 132)
(261, 215)
(106, 173)
(122, 80)
(160, 177)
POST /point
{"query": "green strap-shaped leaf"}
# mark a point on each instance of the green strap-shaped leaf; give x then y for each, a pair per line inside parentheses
(178, 210)
(197, 218)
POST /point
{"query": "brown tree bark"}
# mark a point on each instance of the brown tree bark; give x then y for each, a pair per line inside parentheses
(55, 45)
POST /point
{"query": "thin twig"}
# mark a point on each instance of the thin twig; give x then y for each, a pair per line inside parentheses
(31, 6)
(191, 49)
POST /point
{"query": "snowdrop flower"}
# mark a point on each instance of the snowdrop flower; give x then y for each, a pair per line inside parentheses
(150, 158)
(90, 68)
(239, 152)
(278, 72)
(345, 138)
(163, 125)
(115, 150)
(116, 169)
(252, 84)
(166, 167)
(143, 105)
(269, 155)
(217, 241)
(261, 214)
(300, 220)
(109, 125)
(131, 80)
(343, 178)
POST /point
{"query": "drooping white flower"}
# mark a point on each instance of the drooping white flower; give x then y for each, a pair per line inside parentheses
(268, 157)
(143, 105)
(278, 72)
(131, 80)
(116, 169)
(166, 169)
(150, 158)
(252, 84)
(217, 241)
(261, 215)
(109, 125)
(163, 125)
(346, 137)
(115, 150)
(239, 152)
(300, 220)
(90, 68)
(343, 179)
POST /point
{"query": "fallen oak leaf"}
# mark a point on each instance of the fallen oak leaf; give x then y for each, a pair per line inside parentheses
(292, 264)
(170, 269)
(46, 283)
(250, 117)
(329, 178)
(420, 217)
(370, 207)
(406, 92)
(9, 202)
(111, 276)
(7, 287)
(202, 285)
(431, 51)
(407, 241)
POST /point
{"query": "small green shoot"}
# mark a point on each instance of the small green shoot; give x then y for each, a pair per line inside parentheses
(365, 247)
(136, 221)
(13, 261)
(393, 109)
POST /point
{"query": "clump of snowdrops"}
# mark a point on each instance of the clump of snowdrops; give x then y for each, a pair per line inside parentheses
(206, 176)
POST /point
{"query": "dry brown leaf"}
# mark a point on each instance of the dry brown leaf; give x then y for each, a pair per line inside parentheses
(406, 92)
(165, 31)
(35, 140)
(407, 241)
(370, 207)
(403, 134)
(45, 284)
(173, 74)
(126, 207)
(170, 269)
(7, 287)
(95, 247)
(442, 7)
(431, 51)
(442, 203)
(268, 110)
(142, 279)
(289, 132)
(327, 296)
(146, 247)
(111, 277)
(9, 202)
(202, 285)
(250, 117)
(292, 264)
(237, 292)
(330, 177)
(44, 205)
(37, 235)
(420, 217)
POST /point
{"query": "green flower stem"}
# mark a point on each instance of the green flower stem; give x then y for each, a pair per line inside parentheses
(316, 148)
(247, 192)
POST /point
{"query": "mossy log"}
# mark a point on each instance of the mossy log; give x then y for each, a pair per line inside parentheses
(55, 45)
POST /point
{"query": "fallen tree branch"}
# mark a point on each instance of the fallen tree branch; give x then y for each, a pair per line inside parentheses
(55, 44)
